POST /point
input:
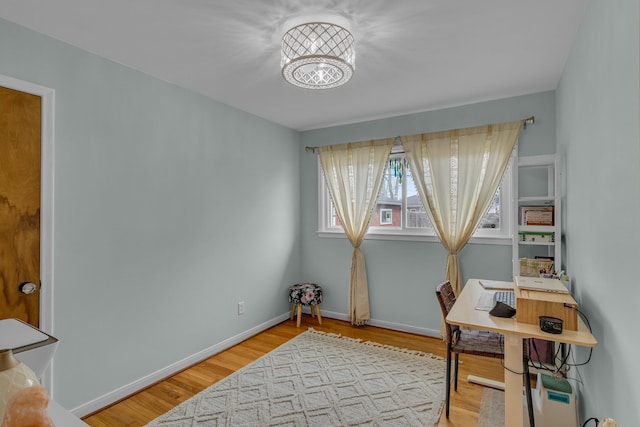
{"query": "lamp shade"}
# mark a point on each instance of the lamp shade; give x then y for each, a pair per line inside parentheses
(317, 55)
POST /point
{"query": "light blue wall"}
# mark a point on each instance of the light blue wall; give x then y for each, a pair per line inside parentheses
(402, 275)
(158, 222)
(599, 133)
(169, 209)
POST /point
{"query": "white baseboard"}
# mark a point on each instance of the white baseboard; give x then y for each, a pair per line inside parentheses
(154, 377)
(405, 328)
(383, 324)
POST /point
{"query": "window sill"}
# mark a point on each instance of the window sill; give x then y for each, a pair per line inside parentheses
(417, 238)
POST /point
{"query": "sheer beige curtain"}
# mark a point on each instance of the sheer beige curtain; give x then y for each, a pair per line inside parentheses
(353, 173)
(456, 174)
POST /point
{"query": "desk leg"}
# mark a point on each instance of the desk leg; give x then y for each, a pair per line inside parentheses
(513, 381)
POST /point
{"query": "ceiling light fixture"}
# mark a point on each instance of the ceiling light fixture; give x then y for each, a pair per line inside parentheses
(317, 55)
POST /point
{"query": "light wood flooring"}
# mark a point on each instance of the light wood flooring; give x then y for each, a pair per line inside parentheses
(142, 407)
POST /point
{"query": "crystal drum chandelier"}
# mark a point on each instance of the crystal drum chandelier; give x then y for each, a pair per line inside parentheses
(317, 55)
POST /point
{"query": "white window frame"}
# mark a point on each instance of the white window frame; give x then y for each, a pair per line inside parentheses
(384, 212)
(501, 236)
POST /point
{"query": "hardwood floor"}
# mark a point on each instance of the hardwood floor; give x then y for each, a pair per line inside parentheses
(142, 407)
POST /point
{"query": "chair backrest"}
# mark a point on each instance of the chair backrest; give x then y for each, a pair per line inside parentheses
(446, 298)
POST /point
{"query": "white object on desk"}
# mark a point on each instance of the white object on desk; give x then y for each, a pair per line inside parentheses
(496, 284)
(485, 301)
(541, 284)
(487, 297)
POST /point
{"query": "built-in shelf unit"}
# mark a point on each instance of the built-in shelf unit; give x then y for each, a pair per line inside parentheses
(537, 201)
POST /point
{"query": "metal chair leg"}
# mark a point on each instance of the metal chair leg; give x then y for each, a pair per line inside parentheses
(455, 372)
(448, 385)
(527, 381)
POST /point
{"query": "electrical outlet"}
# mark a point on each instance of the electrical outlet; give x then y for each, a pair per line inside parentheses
(240, 308)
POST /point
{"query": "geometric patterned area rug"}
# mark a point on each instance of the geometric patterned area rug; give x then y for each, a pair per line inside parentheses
(320, 379)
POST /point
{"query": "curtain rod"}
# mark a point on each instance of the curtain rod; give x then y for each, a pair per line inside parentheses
(528, 121)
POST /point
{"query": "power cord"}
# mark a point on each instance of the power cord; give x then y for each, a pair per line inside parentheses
(584, 317)
(586, 321)
(540, 366)
(502, 360)
(591, 419)
(563, 360)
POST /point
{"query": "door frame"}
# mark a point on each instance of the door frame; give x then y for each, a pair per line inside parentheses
(47, 96)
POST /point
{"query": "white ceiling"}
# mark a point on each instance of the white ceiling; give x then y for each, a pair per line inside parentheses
(411, 55)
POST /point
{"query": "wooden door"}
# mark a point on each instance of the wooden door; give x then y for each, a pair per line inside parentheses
(20, 141)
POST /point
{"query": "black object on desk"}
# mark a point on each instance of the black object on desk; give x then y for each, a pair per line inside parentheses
(502, 310)
(553, 325)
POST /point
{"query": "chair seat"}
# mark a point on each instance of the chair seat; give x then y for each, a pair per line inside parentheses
(483, 343)
(480, 343)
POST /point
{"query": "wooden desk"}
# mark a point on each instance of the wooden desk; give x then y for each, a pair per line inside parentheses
(464, 313)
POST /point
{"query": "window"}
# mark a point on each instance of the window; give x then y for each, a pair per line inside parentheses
(386, 216)
(400, 214)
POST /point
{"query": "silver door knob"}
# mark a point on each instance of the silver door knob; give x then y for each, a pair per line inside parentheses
(27, 287)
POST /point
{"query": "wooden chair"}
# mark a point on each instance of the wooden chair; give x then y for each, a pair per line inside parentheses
(475, 342)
